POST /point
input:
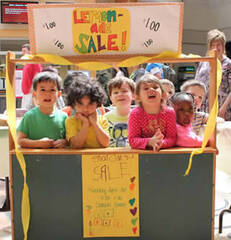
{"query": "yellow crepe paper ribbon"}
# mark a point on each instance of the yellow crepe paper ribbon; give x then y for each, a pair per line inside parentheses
(11, 111)
(211, 123)
(93, 66)
(54, 59)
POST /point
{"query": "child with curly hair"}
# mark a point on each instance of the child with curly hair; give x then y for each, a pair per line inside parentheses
(86, 129)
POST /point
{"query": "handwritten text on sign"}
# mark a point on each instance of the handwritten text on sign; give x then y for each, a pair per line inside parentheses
(110, 195)
(100, 30)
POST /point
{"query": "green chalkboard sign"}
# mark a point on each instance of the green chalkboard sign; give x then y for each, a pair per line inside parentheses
(171, 206)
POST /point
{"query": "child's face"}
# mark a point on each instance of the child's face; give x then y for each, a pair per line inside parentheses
(150, 93)
(85, 107)
(184, 113)
(46, 94)
(122, 97)
(168, 89)
(198, 94)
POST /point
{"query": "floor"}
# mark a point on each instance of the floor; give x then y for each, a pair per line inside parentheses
(223, 201)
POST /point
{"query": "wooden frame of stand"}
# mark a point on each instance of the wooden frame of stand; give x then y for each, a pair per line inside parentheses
(212, 149)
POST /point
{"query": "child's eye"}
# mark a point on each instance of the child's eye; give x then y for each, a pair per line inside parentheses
(42, 90)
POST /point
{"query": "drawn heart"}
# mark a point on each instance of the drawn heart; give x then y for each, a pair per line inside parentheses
(133, 179)
(131, 186)
(133, 211)
(133, 221)
(134, 230)
(132, 201)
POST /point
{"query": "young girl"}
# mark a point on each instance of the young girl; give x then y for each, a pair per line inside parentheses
(183, 104)
(152, 124)
(85, 129)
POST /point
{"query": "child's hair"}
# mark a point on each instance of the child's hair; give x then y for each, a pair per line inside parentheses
(26, 45)
(70, 78)
(182, 97)
(168, 82)
(117, 83)
(192, 83)
(137, 74)
(85, 87)
(47, 76)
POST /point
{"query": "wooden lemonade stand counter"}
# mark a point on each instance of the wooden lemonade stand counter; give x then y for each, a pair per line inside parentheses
(170, 205)
(112, 193)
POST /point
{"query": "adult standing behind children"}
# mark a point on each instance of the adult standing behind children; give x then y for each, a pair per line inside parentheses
(44, 125)
(121, 92)
(152, 124)
(216, 40)
(85, 129)
(29, 71)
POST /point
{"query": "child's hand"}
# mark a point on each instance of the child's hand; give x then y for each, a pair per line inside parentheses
(60, 143)
(46, 143)
(82, 118)
(156, 141)
(93, 118)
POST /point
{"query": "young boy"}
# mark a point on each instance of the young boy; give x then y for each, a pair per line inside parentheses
(85, 129)
(121, 92)
(169, 88)
(44, 126)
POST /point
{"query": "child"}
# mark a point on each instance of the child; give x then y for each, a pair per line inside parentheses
(152, 124)
(121, 92)
(183, 104)
(85, 129)
(198, 90)
(44, 125)
(168, 88)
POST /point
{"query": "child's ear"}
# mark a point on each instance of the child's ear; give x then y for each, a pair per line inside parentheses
(136, 98)
(59, 93)
(34, 94)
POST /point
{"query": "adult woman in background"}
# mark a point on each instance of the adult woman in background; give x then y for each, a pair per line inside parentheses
(216, 40)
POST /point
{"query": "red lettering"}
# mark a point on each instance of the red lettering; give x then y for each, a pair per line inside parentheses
(110, 42)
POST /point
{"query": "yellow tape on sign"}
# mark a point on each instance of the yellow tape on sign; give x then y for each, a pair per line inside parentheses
(211, 123)
(11, 112)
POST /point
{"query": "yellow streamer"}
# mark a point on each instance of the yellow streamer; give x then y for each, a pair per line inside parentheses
(93, 66)
(11, 111)
(211, 123)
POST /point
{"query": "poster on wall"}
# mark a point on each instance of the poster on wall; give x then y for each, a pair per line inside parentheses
(110, 191)
(105, 29)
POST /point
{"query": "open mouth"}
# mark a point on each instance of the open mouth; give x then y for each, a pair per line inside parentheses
(151, 97)
(47, 100)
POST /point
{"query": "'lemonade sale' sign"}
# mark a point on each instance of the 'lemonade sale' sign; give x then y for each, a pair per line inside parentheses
(100, 30)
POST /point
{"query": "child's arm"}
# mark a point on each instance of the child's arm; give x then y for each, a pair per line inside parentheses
(135, 131)
(60, 143)
(79, 139)
(25, 142)
(102, 137)
(170, 135)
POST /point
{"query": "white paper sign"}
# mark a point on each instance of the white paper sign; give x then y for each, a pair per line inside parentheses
(105, 29)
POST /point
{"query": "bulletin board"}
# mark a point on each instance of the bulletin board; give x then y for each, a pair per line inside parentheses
(105, 29)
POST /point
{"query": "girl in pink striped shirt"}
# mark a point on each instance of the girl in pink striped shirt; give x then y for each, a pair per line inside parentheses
(151, 125)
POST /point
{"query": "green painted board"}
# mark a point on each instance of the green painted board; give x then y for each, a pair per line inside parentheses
(171, 206)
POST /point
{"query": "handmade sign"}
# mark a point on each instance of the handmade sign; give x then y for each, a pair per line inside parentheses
(105, 29)
(110, 195)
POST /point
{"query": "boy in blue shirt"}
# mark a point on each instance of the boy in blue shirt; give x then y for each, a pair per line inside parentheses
(44, 125)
